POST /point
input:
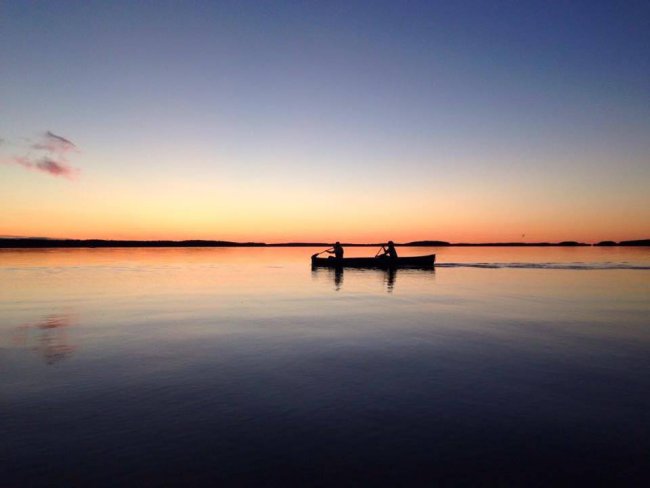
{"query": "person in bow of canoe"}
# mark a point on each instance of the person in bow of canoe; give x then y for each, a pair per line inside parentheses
(389, 250)
(337, 250)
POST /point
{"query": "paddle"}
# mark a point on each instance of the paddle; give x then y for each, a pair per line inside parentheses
(318, 253)
(382, 249)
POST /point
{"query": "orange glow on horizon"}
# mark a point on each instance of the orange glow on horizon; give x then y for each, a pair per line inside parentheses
(174, 209)
(329, 231)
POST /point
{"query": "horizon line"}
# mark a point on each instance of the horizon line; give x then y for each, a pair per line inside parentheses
(43, 242)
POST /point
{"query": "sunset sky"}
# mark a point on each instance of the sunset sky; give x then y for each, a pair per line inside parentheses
(356, 121)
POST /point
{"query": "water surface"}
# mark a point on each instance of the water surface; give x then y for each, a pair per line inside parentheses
(242, 366)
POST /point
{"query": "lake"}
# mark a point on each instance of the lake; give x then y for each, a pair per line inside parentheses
(243, 366)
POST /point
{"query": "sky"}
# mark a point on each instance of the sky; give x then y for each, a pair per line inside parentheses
(323, 121)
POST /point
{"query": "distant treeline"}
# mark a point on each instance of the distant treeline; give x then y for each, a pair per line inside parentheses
(640, 242)
(70, 243)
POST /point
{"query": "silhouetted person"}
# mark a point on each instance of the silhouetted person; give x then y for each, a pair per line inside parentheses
(389, 250)
(337, 250)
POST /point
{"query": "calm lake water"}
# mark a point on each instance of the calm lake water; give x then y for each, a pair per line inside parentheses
(504, 366)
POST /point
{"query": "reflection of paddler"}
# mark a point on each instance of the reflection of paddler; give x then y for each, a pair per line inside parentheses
(391, 274)
(338, 278)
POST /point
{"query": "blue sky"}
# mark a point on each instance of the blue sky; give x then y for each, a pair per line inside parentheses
(376, 106)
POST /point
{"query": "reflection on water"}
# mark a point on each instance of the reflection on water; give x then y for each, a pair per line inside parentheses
(244, 367)
(47, 337)
(388, 276)
(338, 278)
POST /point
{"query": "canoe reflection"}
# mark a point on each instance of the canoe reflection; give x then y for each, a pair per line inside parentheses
(388, 276)
(48, 337)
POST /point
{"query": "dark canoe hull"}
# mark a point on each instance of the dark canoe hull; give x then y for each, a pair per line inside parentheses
(381, 262)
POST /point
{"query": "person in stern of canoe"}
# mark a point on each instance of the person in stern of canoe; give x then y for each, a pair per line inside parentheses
(389, 250)
(337, 250)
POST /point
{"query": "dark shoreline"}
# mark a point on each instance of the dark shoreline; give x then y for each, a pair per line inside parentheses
(29, 243)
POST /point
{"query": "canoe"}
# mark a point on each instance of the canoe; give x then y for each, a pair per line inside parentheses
(378, 262)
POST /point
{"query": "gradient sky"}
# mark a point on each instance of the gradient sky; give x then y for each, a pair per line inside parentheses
(357, 121)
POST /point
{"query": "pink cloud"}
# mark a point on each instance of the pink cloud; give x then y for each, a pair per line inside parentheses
(47, 165)
(51, 157)
(55, 168)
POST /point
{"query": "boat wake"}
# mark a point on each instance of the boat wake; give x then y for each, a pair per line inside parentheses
(580, 266)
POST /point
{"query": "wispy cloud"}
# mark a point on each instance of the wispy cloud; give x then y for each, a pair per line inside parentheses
(48, 155)
(53, 143)
(54, 167)
(47, 165)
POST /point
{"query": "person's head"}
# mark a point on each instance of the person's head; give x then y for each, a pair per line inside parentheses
(390, 243)
(337, 243)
